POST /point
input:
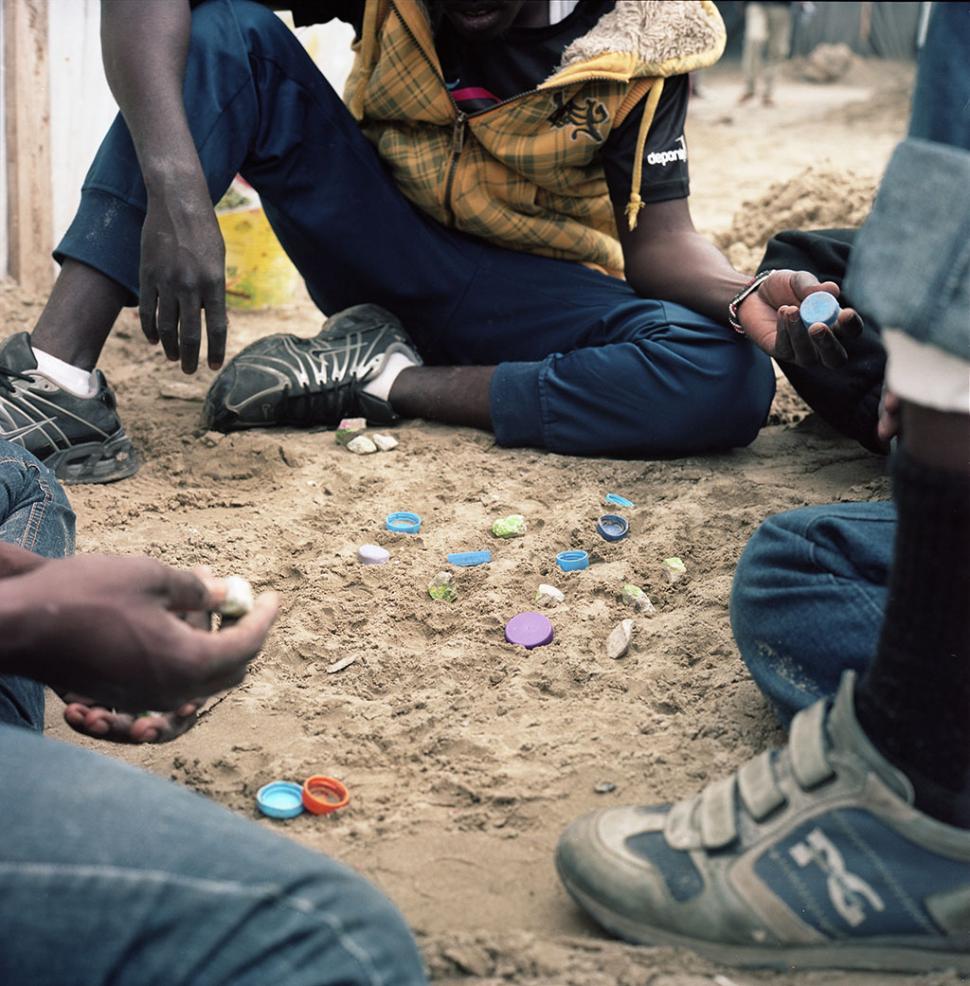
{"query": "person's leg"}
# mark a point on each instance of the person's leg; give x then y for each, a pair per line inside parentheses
(34, 514)
(809, 597)
(778, 46)
(586, 366)
(110, 875)
(755, 32)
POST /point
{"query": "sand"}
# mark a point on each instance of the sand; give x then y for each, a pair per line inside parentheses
(465, 756)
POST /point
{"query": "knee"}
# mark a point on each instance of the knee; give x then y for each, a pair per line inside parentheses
(366, 933)
(34, 509)
(742, 395)
(220, 23)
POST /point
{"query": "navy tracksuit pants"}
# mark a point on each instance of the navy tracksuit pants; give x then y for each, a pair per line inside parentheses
(585, 365)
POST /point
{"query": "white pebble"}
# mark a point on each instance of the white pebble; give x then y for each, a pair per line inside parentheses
(239, 598)
(372, 554)
(549, 595)
(344, 662)
(618, 642)
(361, 445)
(385, 442)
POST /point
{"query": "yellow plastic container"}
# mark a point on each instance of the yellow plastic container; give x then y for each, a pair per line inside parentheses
(258, 273)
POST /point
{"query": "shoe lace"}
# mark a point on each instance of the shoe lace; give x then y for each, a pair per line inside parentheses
(7, 376)
(321, 407)
(709, 820)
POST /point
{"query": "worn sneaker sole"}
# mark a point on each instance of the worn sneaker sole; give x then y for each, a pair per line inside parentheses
(879, 955)
(95, 462)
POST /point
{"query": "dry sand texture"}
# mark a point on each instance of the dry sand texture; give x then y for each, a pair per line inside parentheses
(465, 756)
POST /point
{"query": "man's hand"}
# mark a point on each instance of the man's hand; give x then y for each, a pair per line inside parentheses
(771, 320)
(183, 261)
(111, 629)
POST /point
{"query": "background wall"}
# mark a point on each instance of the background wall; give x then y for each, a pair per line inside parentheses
(82, 107)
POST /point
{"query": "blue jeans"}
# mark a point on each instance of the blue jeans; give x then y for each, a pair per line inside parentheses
(35, 514)
(110, 875)
(910, 265)
(585, 365)
(809, 597)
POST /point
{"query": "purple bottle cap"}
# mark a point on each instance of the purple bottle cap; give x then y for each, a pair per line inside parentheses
(529, 630)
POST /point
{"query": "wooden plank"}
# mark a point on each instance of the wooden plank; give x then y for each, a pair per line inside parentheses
(26, 94)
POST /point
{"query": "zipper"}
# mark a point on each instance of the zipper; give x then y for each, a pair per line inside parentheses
(457, 143)
(462, 118)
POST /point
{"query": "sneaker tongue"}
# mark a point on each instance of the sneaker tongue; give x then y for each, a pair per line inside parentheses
(17, 355)
(846, 734)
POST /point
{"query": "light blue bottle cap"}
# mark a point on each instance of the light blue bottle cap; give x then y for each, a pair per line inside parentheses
(819, 306)
(280, 799)
(467, 559)
(612, 527)
(572, 561)
(403, 522)
(615, 500)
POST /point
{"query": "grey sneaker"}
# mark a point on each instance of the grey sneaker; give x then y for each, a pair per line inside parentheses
(287, 380)
(80, 439)
(808, 857)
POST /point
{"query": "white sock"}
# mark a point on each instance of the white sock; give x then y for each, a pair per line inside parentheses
(381, 385)
(75, 380)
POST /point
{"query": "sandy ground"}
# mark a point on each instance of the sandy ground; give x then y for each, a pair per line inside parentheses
(466, 756)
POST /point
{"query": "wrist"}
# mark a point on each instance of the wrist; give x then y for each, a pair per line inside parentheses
(19, 619)
(746, 292)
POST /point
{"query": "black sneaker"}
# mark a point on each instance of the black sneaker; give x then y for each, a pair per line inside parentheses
(286, 380)
(80, 439)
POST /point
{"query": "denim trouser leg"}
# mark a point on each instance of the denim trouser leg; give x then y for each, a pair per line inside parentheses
(35, 514)
(110, 875)
(809, 596)
(584, 364)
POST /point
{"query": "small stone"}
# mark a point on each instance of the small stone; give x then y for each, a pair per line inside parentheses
(513, 526)
(349, 429)
(361, 445)
(239, 598)
(385, 442)
(604, 787)
(372, 554)
(674, 569)
(634, 596)
(176, 390)
(549, 595)
(618, 642)
(344, 662)
(442, 588)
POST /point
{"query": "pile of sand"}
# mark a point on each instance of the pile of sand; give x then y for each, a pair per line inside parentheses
(813, 199)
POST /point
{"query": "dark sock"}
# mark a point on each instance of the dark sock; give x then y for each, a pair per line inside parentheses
(914, 701)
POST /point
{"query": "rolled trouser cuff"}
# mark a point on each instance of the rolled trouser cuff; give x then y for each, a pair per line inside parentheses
(106, 235)
(517, 406)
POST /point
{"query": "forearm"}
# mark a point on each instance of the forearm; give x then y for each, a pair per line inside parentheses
(18, 608)
(684, 267)
(144, 46)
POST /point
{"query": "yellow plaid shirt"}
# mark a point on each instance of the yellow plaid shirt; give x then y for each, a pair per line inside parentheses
(525, 174)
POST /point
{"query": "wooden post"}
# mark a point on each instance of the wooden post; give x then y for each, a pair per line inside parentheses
(26, 94)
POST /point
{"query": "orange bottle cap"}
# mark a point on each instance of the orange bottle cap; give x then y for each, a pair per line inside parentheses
(322, 795)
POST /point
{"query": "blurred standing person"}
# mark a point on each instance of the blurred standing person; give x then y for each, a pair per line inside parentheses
(767, 43)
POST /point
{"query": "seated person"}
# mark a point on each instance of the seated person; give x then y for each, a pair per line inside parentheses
(851, 847)
(498, 169)
(110, 875)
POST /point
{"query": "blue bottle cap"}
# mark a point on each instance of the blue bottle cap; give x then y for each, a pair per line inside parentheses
(467, 559)
(403, 522)
(612, 527)
(572, 561)
(615, 500)
(280, 799)
(819, 306)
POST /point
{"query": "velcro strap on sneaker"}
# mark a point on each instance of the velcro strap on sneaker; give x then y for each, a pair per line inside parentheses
(680, 828)
(806, 747)
(717, 811)
(760, 793)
